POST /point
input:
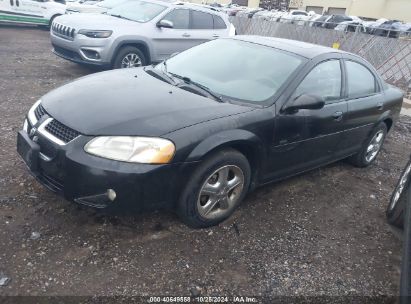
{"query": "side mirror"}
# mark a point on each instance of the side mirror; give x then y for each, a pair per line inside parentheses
(165, 23)
(306, 101)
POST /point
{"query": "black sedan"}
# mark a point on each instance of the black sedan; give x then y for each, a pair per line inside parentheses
(197, 132)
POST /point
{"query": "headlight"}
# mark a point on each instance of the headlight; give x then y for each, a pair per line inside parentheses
(95, 33)
(145, 150)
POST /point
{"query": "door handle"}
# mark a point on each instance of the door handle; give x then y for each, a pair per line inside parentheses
(380, 106)
(338, 116)
(186, 35)
(216, 36)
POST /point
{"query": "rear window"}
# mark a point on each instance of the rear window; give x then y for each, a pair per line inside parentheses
(360, 81)
(200, 20)
(219, 23)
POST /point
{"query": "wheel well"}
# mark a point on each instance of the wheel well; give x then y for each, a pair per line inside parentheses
(141, 46)
(249, 152)
(388, 123)
(52, 18)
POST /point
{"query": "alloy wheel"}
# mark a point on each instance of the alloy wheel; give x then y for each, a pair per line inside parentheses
(220, 192)
(131, 60)
(374, 146)
(400, 187)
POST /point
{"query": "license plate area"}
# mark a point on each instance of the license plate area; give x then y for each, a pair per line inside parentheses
(28, 150)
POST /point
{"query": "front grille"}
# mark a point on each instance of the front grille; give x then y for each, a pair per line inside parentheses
(63, 31)
(61, 131)
(39, 112)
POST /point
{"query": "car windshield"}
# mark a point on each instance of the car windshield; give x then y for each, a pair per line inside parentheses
(236, 69)
(140, 11)
(110, 3)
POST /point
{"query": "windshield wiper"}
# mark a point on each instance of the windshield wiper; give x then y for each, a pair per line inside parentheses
(161, 75)
(119, 16)
(187, 80)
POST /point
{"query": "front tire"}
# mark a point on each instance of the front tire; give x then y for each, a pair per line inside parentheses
(129, 57)
(215, 189)
(371, 147)
(398, 202)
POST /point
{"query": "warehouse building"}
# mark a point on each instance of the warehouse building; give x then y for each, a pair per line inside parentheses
(368, 9)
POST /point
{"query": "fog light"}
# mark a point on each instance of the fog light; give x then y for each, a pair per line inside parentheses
(111, 194)
(91, 54)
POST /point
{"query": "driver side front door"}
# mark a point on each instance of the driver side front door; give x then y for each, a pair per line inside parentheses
(305, 139)
(176, 39)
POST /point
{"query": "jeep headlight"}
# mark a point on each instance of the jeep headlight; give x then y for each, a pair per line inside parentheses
(95, 33)
(145, 150)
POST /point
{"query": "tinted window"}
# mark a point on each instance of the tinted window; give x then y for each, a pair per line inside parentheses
(200, 20)
(324, 80)
(236, 69)
(219, 23)
(179, 17)
(361, 81)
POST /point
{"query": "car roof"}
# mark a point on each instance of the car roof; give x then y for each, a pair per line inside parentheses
(303, 49)
(196, 6)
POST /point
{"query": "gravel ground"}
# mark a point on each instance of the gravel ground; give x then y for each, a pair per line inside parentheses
(321, 233)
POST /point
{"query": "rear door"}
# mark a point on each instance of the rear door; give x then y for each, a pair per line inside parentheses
(202, 27)
(309, 138)
(365, 101)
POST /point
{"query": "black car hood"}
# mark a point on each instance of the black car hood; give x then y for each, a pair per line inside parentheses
(130, 102)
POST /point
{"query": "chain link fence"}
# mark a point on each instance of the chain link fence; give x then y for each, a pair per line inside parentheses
(390, 56)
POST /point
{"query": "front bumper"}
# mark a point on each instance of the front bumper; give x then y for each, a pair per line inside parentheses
(86, 179)
(81, 48)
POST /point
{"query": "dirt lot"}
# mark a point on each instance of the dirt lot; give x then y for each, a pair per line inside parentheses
(321, 233)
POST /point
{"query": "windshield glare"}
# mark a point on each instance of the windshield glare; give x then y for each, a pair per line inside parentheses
(139, 11)
(236, 69)
(110, 3)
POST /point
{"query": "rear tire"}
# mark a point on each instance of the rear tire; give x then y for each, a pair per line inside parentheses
(215, 189)
(129, 57)
(399, 198)
(371, 147)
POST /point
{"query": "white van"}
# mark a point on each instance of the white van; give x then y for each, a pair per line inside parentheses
(40, 12)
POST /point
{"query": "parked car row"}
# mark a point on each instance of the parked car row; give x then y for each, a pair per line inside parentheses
(380, 27)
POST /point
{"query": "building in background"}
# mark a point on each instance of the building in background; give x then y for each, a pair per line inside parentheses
(368, 9)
